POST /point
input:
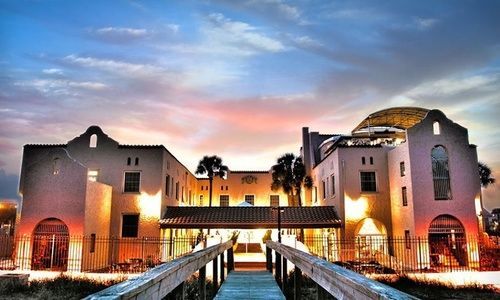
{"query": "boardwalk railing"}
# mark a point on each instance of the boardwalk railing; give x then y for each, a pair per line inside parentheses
(337, 281)
(159, 282)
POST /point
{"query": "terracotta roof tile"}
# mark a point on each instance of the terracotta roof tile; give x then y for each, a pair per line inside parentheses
(249, 217)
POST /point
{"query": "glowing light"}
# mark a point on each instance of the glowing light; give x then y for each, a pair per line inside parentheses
(150, 204)
(477, 203)
(356, 209)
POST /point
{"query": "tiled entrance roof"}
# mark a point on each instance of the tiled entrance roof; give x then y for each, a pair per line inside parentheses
(250, 217)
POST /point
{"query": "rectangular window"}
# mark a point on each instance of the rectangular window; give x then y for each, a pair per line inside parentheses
(250, 199)
(167, 185)
(363, 160)
(130, 225)
(221, 187)
(177, 190)
(407, 239)
(224, 200)
(368, 182)
(92, 243)
(404, 197)
(202, 188)
(274, 200)
(132, 182)
(201, 200)
(333, 184)
(92, 175)
(171, 185)
(182, 195)
(402, 168)
(371, 160)
(324, 189)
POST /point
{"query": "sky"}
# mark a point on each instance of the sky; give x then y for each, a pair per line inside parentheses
(240, 78)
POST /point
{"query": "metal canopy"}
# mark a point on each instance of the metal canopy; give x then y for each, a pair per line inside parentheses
(396, 117)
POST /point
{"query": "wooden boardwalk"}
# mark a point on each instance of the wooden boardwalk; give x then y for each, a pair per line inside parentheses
(249, 285)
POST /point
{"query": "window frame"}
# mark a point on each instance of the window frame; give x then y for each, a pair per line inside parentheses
(402, 169)
(220, 200)
(125, 182)
(249, 195)
(271, 200)
(123, 226)
(404, 196)
(361, 181)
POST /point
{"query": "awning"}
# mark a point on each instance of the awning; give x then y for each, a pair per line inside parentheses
(254, 217)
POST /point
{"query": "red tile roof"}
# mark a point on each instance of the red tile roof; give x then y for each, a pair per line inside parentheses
(250, 217)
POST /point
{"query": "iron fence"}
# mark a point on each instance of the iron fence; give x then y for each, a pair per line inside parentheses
(90, 253)
(382, 254)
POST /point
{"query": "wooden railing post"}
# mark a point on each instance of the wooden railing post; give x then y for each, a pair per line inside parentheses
(215, 275)
(201, 282)
(277, 270)
(284, 275)
(221, 267)
(230, 260)
(269, 259)
(297, 278)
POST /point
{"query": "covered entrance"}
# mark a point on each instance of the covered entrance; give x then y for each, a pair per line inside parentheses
(50, 246)
(447, 242)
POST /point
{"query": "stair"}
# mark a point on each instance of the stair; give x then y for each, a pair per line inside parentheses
(248, 248)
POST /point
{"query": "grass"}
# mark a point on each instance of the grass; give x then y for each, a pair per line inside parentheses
(62, 287)
(430, 289)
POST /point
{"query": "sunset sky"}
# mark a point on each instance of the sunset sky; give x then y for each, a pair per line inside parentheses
(240, 78)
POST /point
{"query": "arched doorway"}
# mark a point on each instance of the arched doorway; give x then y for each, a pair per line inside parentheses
(50, 246)
(447, 243)
(371, 239)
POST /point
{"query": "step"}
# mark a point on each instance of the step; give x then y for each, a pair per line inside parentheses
(249, 285)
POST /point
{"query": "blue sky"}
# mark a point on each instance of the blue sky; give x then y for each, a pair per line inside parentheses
(240, 78)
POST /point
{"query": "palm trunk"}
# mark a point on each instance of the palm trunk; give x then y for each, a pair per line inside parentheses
(210, 180)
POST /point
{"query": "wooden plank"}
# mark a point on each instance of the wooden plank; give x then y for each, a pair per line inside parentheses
(250, 285)
(339, 282)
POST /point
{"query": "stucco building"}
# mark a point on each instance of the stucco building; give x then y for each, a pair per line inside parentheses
(401, 172)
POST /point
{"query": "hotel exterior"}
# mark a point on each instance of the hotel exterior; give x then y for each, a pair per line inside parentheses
(401, 172)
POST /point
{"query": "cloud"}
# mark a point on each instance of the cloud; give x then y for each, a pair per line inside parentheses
(229, 36)
(62, 87)
(453, 86)
(53, 71)
(274, 10)
(119, 35)
(425, 24)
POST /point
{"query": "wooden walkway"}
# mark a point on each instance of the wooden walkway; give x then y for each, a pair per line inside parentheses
(250, 285)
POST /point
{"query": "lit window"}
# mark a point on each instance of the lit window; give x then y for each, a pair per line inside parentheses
(201, 200)
(275, 200)
(92, 175)
(440, 173)
(402, 168)
(404, 196)
(368, 182)
(224, 200)
(93, 141)
(250, 199)
(130, 225)
(132, 182)
(436, 128)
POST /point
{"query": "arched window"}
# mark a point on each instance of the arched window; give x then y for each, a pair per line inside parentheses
(436, 128)
(129, 160)
(137, 161)
(440, 173)
(93, 141)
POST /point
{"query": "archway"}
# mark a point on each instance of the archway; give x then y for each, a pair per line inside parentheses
(50, 245)
(371, 239)
(447, 243)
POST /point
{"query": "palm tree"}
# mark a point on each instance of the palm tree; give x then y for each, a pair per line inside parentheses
(289, 174)
(211, 166)
(485, 175)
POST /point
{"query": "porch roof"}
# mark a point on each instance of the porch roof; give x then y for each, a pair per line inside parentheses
(253, 217)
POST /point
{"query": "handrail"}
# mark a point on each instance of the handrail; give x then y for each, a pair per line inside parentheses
(339, 282)
(159, 281)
